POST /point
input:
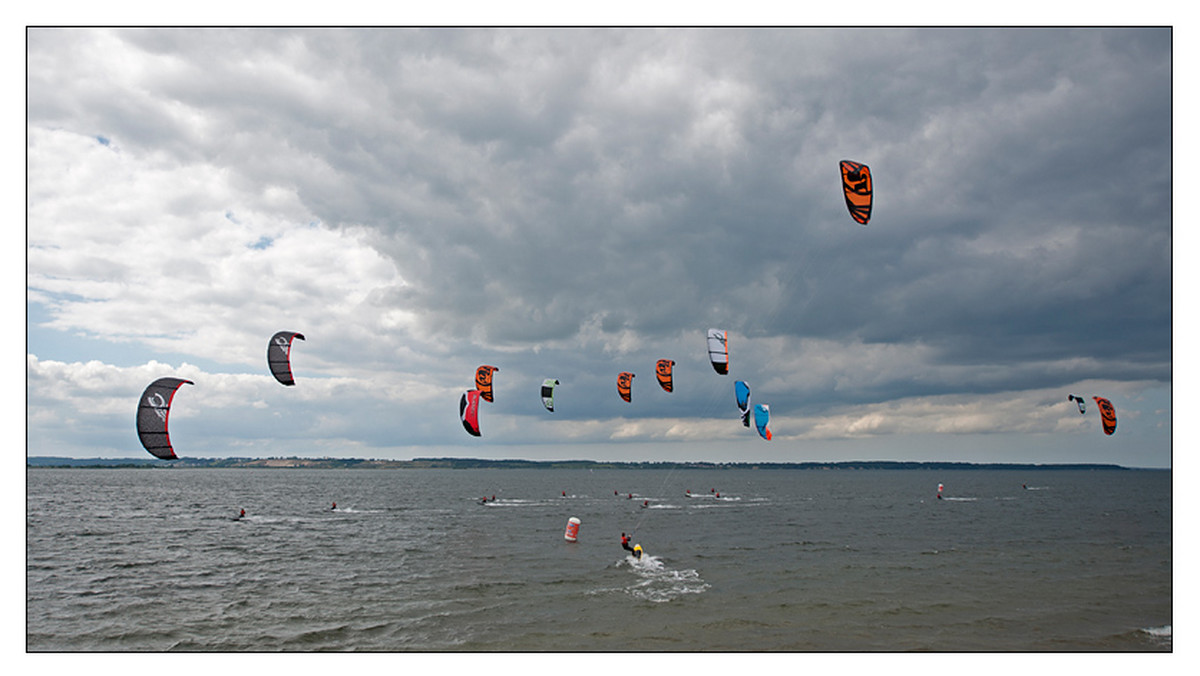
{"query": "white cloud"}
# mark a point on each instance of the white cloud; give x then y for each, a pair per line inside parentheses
(581, 202)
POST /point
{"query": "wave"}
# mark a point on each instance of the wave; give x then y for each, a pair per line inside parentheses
(660, 584)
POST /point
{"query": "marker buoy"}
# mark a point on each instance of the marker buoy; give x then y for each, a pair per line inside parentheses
(572, 530)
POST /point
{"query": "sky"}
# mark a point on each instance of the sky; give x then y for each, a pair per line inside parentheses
(574, 203)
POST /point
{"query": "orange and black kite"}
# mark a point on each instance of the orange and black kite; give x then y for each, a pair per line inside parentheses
(1108, 414)
(483, 381)
(662, 369)
(624, 384)
(857, 185)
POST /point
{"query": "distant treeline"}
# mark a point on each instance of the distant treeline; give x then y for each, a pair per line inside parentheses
(476, 463)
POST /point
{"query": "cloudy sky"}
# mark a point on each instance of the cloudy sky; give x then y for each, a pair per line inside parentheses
(575, 203)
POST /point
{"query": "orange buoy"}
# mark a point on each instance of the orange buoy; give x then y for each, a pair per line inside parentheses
(572, 533)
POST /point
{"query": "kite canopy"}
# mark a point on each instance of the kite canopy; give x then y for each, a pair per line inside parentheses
(279, 351)
(624, 385)
(548, 386)
(662, 369)
(742, 391)
(1078, 401)
(483, 381)
(718, 351)
(153, 409)
(468, 410)
(1108, 414)
(858, 188)
(762, 418)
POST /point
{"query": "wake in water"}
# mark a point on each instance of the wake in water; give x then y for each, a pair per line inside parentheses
(657, 583)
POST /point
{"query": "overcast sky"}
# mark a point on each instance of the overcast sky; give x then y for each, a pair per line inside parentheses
(575, 203)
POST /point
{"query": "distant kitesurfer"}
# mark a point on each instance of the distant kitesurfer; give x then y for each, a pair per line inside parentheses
(625, 543)
(564, 494)
(645, 503)
(630, 497)
(334, 507)
(939, 496)
(1024, 486)
(242, 514)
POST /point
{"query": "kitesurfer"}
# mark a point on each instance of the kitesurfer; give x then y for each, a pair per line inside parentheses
(334, 507)
(242, 514)
(645, 503)
(625, 543)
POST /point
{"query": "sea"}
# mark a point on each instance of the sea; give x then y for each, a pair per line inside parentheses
(735, 560)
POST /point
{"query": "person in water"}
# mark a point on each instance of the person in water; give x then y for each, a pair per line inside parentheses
(625, 543)
(242, 514)
(333, 507)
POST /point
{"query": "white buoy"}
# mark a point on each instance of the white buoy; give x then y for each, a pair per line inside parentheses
(572, 533)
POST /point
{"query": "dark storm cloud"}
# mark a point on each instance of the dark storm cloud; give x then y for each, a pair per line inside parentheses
(573, 203)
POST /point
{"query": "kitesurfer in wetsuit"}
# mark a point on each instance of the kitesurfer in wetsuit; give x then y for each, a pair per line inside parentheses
(333, 507)
(625, 543)
(242, 515)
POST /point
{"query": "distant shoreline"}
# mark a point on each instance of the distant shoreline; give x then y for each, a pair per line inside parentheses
(476, 463)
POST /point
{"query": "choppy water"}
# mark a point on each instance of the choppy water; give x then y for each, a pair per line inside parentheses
(786, 560)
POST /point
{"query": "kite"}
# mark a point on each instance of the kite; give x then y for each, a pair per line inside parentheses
(742, 391)
(279, 351)
(662, 369)
(1078, 401)
(858, 188)
(762, 418)
(548, 386)
(483, 381)
(153, 409)
(718, 351)
(1108, 414)
(624, 383)
(468, 410)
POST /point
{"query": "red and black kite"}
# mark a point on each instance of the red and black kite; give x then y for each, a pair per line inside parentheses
(857, 185)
